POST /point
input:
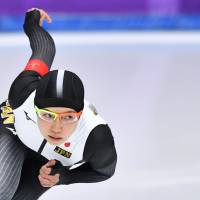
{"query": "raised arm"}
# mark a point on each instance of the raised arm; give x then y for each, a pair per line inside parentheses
(42, 44)
(43, 52)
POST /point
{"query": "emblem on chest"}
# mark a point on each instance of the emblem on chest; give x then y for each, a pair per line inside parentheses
(63, 152)
(28, 118)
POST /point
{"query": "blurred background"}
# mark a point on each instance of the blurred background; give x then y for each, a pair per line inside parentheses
(139, 61)
(106, 15)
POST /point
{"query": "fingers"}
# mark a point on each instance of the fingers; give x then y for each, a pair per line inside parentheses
(51, 163)
(46, 169)
(49, 181)
(46, 16)
(45, 173)
(43, 15)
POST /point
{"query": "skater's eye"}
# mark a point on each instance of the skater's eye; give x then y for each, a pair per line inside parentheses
(47, 116)
(69, 117)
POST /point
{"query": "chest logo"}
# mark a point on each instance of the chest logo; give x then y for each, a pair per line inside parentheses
(67, 144)
(27, 117)
(63, 152)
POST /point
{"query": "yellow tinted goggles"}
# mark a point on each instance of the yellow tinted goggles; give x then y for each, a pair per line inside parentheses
(65, 118)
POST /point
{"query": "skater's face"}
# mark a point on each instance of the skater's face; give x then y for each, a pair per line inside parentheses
(57, 123)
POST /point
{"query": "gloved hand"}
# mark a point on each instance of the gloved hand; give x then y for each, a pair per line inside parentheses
(36, 16)
(64, 172)
(48, 177)
(54, 173)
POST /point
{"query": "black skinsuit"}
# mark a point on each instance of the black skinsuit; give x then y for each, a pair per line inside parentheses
(99, 153)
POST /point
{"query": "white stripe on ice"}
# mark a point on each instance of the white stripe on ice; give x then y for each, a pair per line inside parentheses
(108, 38)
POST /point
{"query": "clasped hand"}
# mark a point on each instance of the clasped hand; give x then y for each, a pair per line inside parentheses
(43, 15)
(47, 180)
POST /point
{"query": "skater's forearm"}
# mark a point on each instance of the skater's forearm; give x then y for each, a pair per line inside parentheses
(84, 174)
(42, 44)
(43, 52)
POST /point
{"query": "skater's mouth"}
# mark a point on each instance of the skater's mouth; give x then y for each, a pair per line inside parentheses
(55, 138)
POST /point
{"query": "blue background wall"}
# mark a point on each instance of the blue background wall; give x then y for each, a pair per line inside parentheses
(106, 15)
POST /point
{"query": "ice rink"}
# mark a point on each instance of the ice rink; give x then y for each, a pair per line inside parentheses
(147, 87)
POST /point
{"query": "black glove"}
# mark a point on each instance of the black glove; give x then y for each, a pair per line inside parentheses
(56, 168)
(64, 172)
(32, 17)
